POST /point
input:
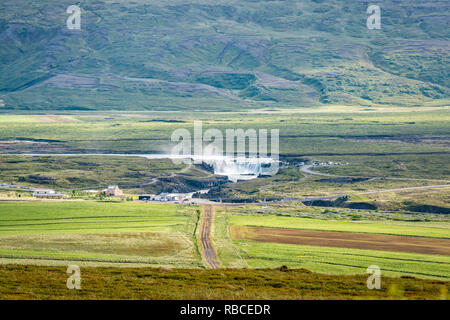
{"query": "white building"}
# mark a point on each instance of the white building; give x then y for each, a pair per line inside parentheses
(166, 197)
(91, 192)
(47, 194)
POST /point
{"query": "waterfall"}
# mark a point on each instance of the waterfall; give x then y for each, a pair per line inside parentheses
(239, 168)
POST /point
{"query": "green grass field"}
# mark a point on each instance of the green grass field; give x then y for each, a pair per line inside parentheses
(442, 230)
(343, 261)
(334, 260)
(38, 238)
(98, 233)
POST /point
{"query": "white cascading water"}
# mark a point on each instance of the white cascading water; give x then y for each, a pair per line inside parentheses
(240, 168)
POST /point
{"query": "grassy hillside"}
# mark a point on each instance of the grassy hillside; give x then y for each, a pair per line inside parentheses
(226, 55)
(134, 174)
(84, 172)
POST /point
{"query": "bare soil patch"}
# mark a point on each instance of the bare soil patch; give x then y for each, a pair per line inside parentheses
(54, 119)
(342, 239)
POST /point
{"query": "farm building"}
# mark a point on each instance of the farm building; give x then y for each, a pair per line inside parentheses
(147, 197)
(113, 191)
(165, 197)
(47, 194)
(91, 192)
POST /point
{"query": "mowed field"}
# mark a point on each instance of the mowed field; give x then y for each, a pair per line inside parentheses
(98, 233)
(342, 247)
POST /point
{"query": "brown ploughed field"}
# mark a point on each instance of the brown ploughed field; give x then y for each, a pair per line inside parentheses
(343, 239)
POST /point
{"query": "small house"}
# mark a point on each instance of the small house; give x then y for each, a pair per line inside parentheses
(113, 191)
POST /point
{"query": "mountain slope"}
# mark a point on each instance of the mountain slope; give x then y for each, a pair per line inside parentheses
(221, 55)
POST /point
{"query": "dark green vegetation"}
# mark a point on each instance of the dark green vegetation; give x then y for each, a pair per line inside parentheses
(431, 201)
(33, 282)
(135, 174)
(226, 55)
(298, 210)
(83, 172)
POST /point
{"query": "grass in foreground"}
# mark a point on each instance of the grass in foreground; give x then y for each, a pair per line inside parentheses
(33, 282)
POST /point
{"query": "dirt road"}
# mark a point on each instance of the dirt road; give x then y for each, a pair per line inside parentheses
(207, 248)
(309, 172)
(307, 169)
(406, 189)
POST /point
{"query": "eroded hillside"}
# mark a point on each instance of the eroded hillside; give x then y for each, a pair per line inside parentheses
(221, 55)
